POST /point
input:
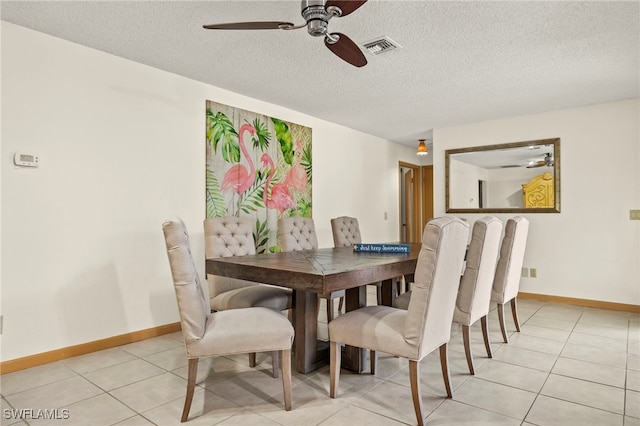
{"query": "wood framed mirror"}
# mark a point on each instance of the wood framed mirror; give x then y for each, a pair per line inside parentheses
(517, 177)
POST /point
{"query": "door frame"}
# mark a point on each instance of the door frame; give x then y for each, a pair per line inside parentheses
(422, 195)
(416, 234)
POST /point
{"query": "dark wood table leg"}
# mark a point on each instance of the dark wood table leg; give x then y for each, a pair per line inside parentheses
(391, 287)
(308, 355)
(353, 358)
(389, 291)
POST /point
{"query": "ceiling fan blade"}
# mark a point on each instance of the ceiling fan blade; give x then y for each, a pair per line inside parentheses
(346, 49)
(265, 25)
(346, 6)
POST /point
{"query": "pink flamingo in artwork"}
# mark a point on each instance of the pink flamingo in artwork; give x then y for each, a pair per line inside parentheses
(281, 198)
(238, 177)
(297, 176)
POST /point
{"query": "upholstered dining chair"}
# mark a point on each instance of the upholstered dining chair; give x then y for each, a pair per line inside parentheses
(346, 233)
(425, 326)
(507, 278)
(298, 233)
(233, 331)
(474, 294)
(233, 236)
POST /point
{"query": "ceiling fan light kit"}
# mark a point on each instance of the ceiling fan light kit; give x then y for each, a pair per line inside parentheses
(316, 14)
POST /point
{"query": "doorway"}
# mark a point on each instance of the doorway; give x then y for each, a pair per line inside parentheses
(416, 200)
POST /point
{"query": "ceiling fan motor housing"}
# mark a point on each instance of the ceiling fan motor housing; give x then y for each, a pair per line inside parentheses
(316, 15)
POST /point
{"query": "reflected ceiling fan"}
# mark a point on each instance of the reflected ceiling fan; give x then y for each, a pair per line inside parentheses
(317, 14)
(547, 161)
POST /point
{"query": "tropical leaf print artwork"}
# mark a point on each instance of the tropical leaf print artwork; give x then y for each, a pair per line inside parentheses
(248, 175)
(220, 130)
(284, 137)
(215, 201)
(262, 137)
(306, 162)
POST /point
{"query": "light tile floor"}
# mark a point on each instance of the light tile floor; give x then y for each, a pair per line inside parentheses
(568, 366)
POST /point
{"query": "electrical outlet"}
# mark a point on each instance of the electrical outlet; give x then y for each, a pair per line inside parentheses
(525, 272)
(634, 214)
(533, 272)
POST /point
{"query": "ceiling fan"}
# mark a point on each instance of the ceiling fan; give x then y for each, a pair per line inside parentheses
(546, 162)
(317, 14)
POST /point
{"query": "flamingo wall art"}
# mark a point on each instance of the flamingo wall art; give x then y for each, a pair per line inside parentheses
(257, 166)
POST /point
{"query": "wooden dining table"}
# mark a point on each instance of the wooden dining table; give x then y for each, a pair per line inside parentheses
(321, 271)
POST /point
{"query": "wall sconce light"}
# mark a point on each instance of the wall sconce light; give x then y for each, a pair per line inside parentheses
(422, 148)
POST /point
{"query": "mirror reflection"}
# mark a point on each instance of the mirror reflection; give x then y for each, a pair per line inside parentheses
(512, 177)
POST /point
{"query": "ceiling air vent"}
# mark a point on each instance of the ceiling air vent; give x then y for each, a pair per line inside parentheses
(381, 45)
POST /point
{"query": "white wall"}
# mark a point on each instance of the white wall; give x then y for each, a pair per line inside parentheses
(463, 183)
(591, 250)
(122, 147)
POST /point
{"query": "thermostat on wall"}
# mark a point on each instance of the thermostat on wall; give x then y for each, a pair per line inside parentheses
(25, 160)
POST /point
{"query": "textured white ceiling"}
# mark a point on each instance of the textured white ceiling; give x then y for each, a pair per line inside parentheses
(460, 62)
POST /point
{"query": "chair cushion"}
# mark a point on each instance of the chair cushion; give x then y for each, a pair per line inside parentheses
(219, 284)
(238, 331)
(379, 328)
(265, 296)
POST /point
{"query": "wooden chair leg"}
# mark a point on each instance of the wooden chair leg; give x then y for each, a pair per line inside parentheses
(414, 378)
(514, 311)
(485, 334)
(467, 348)
(503, 325)
(373, 361)
(444, 364)
(334, 368)
(252, 359)
(286, 377)
(275, 364)
(191, 385)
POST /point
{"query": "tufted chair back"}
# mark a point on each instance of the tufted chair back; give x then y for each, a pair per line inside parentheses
(192, 303)
(474, 295)
(297, 233)
(346, 231)
(225, 237)
(433, 296)
(509, 268)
